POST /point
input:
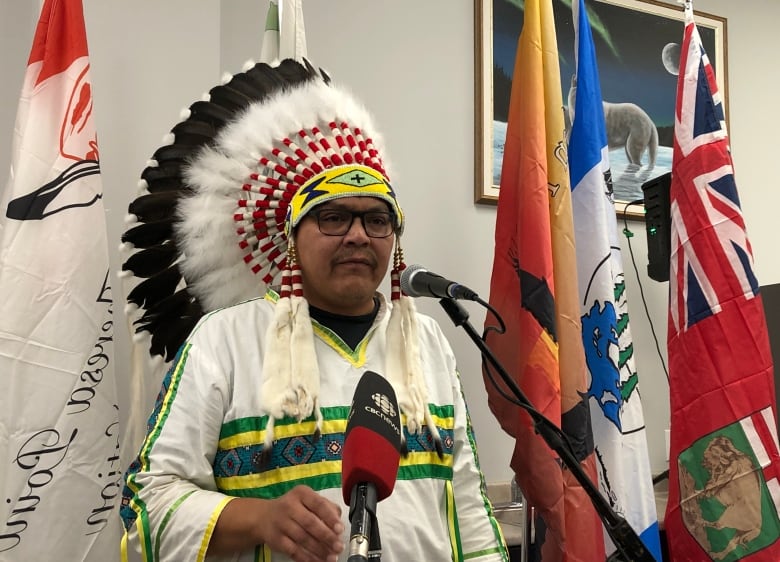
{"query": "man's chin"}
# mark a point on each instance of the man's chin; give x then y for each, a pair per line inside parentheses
(357, 295)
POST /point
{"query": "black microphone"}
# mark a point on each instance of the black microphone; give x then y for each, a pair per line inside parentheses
(416, 281)
(369, 460)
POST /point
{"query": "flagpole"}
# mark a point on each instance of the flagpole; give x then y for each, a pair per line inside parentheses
(628, 545)
(686, 4)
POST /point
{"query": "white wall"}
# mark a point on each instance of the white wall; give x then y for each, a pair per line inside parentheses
(412, 64)
(17, 23)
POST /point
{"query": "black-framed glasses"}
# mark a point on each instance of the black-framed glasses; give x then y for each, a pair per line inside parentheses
(337, 222)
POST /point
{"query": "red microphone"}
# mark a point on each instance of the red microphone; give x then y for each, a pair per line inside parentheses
(370, 457)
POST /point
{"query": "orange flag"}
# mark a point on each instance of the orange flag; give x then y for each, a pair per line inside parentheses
(534, 288)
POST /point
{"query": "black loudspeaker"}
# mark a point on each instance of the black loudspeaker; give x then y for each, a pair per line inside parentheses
(770, 294)
(658, 226)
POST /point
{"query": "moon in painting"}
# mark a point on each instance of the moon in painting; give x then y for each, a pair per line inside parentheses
(670, 55)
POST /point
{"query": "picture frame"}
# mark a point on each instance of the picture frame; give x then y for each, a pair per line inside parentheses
(635, 51)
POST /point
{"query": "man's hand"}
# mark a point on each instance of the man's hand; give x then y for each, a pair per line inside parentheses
(300, 524)
(305, 526)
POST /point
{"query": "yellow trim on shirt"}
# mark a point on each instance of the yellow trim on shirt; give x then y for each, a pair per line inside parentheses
(204, 545)
(278, 475)
(282, 432)
(356, 357)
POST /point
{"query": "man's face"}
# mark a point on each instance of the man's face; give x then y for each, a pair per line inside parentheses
(342, 273)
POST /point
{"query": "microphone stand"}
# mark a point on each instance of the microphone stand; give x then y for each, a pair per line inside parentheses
(365, 544)
(629, 548)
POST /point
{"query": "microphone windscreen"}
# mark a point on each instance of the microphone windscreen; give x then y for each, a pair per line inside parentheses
(406, 279)
(372, 442)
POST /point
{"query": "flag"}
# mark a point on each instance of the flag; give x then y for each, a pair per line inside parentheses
(534, 289)
(285, 34)
(59, 449)
(724, 461)
(622, 458)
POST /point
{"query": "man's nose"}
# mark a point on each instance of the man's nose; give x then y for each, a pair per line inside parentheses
(357, 231)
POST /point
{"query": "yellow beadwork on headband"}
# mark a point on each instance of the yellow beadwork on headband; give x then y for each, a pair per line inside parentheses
(341, 181)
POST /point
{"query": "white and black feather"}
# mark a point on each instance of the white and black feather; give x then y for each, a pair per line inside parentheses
(169, 307)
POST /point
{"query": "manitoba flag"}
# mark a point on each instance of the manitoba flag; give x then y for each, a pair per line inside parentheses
(723, 486)
(59, 448)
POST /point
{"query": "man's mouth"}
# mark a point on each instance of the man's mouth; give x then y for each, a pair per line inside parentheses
(356, 261)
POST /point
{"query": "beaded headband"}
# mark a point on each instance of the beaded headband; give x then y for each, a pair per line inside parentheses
(342, 181)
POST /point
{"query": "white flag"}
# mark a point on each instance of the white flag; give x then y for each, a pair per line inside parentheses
(285, 35)
(59, 449)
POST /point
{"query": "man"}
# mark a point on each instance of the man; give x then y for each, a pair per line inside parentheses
(243, 455)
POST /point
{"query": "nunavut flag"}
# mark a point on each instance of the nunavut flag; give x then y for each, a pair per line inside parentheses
(59, 451)
(724, 485)
(534, 288)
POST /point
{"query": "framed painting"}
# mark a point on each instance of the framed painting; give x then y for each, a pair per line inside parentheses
(637, 50)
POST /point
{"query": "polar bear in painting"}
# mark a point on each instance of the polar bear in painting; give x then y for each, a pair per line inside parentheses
(628, 126)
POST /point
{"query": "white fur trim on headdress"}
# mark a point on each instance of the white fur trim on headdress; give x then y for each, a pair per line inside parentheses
(404, 367)
(291, 385)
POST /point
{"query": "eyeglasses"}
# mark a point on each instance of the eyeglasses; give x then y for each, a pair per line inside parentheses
(337, 222)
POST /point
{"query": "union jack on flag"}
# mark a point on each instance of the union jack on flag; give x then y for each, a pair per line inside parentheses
(723, 492)
(702, 159)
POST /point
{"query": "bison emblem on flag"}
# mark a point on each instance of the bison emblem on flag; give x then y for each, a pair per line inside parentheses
(728, 491)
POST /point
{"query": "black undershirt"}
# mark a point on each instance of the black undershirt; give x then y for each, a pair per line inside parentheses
(351, 329)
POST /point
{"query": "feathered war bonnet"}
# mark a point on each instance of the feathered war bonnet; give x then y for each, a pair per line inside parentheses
(214, 225)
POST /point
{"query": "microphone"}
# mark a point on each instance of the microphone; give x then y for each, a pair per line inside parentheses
(416, 281)
(370, 458)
